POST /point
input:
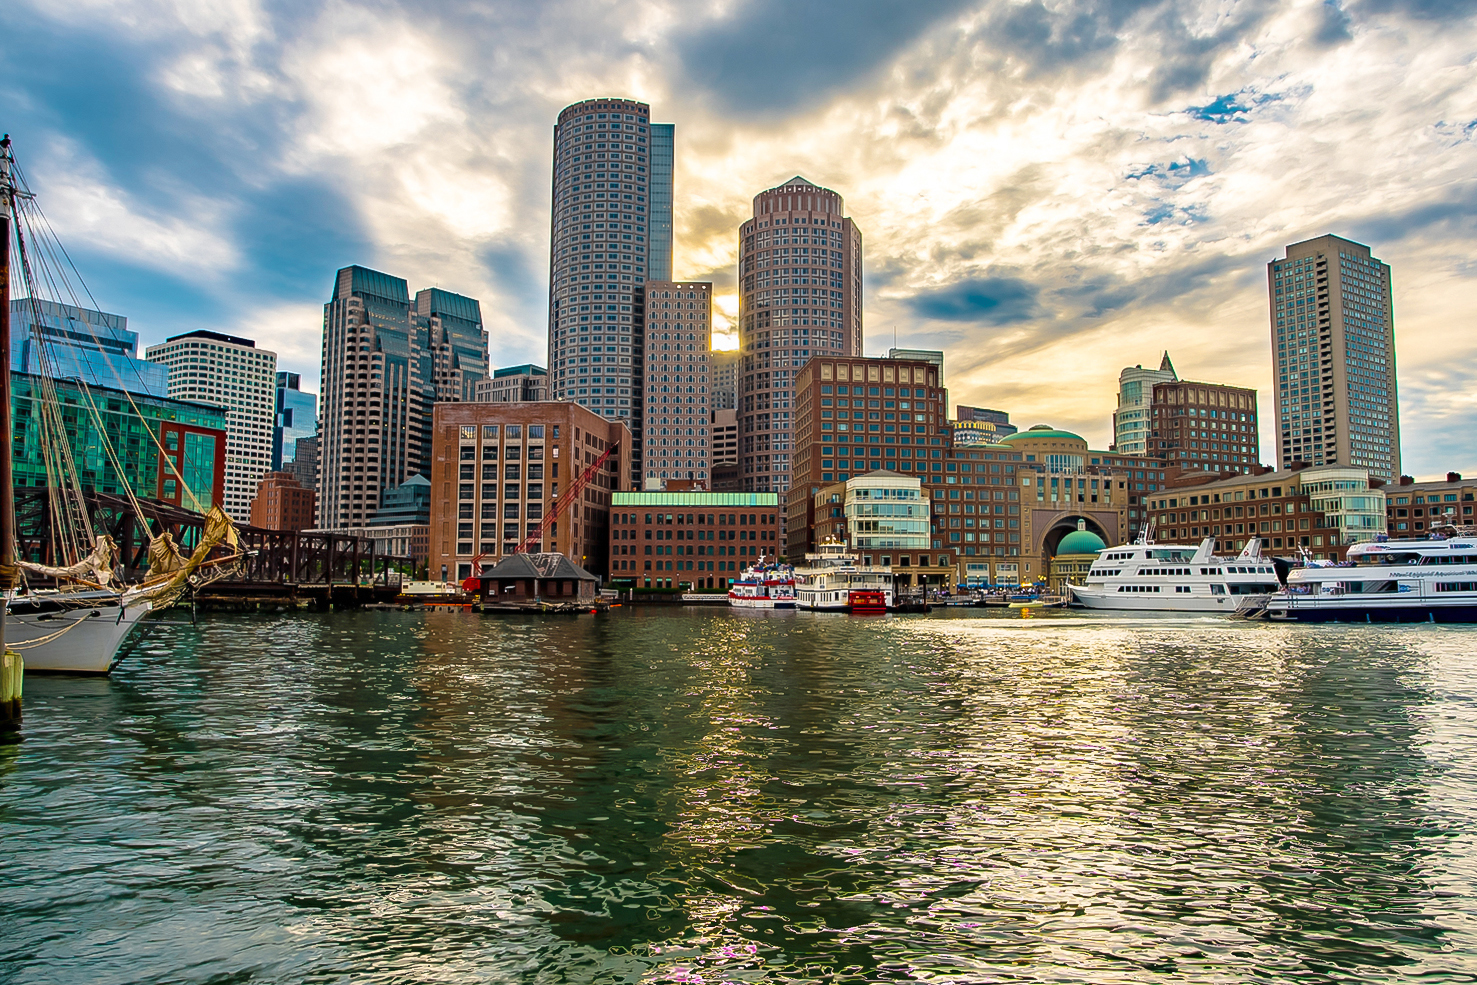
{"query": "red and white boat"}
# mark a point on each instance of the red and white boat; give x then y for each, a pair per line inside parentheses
(764, 586)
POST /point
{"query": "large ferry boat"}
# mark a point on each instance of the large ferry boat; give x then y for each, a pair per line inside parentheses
(832, 580)
(764, 586)
(1430, 580)
(1176, 578)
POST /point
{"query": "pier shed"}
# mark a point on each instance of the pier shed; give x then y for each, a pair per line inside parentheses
(526, 577)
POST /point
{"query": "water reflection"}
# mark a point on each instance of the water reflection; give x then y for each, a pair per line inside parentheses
(682, 796)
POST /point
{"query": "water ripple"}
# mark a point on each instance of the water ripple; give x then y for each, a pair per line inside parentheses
(696, 796)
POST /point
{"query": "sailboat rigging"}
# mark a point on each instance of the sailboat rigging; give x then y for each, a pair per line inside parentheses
(80, 624)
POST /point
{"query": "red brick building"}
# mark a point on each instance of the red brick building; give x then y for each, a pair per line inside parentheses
(691, 539)
(1204, 426)
(282, 503)
(497, 471)
(858, 415)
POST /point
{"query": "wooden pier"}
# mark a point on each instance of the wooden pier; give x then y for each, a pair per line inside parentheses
(280, 569)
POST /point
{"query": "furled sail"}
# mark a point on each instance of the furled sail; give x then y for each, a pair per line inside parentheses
(164, 588)
(96, 568)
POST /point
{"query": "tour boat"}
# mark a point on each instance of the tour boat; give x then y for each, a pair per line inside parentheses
(1427, 580)
(764, 586)
(833, 581)
(1146, 576)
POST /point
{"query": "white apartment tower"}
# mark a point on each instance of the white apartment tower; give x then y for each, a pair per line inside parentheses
(800, 296)
(611, 232)
(232, 373)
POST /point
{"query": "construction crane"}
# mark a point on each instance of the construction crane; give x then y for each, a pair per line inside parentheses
(571, 495)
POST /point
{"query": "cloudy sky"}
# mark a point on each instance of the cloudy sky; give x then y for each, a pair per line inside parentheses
(1048, 191)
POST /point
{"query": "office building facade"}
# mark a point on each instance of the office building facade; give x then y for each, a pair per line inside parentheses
(374, 381)
(387, 360)
(678, 375)
(611, 232)
(282, 503)
(63, 341)
(190, 471)
(497, 472)
(800, 296)
(515, 385)
(232, 373)
(1333, 339)
(1204, 426)
(1131, 420)
(456, 340)
(1413, 509)
(1321, 510)
(725, 378)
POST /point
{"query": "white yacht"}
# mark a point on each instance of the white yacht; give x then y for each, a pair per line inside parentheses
(833, 580)
(1176, 578)
(1431, 580)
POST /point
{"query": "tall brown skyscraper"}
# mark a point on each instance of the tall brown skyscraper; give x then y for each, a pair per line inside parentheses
(800, 295)
(1333, 335)
(678, 374)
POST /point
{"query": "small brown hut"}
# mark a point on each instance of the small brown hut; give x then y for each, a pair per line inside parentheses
(536, 577)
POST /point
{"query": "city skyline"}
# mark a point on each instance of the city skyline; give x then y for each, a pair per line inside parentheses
(1034, 205)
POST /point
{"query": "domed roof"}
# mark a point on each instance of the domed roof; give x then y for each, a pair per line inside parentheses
(1081, 542)
(1041, 431)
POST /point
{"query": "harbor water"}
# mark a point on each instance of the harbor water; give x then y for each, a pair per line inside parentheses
(711, 796)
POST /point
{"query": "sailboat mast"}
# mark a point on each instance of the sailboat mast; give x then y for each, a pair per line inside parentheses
(7, 466)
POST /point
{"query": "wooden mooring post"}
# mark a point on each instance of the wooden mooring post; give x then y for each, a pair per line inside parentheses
(12, 672)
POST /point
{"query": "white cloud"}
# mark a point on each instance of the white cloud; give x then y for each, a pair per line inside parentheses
(91, 211)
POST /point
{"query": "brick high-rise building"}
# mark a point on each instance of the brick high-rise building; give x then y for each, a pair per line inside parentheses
(1333, 339)
(800, 296)
(858, 415)
(611, 232)
(1205, 426)
(498, 470)
(282, 503)
(678, 374)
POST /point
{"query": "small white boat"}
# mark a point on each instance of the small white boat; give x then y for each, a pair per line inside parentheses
(832, 581)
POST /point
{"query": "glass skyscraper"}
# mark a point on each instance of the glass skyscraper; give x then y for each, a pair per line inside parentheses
(386, 362)
(67, 342)
(611, 232)
(297, 417)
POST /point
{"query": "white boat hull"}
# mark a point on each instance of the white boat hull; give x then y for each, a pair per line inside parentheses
(82, 640)
(759, 602)
(1095, 598)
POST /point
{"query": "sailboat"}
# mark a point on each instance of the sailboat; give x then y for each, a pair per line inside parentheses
(81, 624)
